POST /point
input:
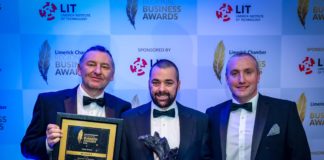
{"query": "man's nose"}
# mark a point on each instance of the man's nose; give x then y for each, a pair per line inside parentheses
(241, 78)
(162, 87)
(98, 69)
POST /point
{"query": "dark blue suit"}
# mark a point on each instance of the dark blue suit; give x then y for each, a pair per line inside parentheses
(290, 144)
(45, 111)
(193, 134)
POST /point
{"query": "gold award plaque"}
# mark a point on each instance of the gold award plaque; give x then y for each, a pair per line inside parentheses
(87, 137)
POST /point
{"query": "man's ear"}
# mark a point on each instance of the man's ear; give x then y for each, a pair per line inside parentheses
(226, 77)
(259, 76)
(178, 88)
(79, 70)
(112, 77)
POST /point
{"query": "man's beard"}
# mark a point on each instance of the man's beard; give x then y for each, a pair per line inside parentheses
(169, 101)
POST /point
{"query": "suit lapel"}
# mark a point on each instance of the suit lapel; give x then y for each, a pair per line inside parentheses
(224, 117)
(186, 130)
(259, 124)
(70, 103)
(109, 104)
(144, 127)
(143, 120)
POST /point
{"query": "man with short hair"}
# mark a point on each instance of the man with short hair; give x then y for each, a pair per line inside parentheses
(183, 127)
(252, 126)
(96, 69)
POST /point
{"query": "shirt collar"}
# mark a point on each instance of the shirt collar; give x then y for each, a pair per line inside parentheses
(253, 100)
(82, 92)
(154, 106)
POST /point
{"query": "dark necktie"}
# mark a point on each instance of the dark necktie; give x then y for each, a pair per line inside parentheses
(87, 100)
(169, 113)
(246, 106)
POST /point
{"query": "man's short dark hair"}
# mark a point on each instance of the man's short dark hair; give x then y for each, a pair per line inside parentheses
(97, 48)
(242, 54)
(164, 63)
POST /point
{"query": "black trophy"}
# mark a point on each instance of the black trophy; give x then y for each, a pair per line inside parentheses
(159, 146)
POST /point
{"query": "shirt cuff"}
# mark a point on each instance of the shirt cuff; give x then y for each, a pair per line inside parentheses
(48, 148)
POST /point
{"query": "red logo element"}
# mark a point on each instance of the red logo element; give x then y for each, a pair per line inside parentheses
(138, 66)
(307, 65)
(224, 11)
(48, 11)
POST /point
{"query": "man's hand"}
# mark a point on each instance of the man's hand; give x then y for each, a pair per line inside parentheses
(53, 134)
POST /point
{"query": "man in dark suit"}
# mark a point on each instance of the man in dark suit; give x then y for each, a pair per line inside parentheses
(96, 68)
(184, 128)
(252, 126)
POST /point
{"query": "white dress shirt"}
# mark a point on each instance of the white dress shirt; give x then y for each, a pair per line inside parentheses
(93, 109)
(167, 127)
(240, 132)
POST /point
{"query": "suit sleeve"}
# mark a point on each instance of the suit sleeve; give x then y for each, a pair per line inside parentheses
(33, 143)
(297, 140)
(123, 155)
(205, 150)
(126, 107)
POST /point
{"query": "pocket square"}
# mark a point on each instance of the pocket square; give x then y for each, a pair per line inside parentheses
(275, 129)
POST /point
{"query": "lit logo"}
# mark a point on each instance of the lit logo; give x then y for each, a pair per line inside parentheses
(47, 11)
(307, 65)
(138, 66)
(223, 13)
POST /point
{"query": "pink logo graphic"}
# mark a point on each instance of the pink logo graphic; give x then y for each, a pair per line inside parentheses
(138, 66)
(224, 12)
(306, 65)
(48, 11)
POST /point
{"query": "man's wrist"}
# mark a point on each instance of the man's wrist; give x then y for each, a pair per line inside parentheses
(48, 148)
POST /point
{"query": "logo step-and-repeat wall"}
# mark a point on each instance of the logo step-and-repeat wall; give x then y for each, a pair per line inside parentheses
(41, 42)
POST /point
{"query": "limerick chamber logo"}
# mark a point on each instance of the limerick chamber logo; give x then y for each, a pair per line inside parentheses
(302, 11)
(138, 66)
(307, 65)
(301, 106)
(44, 60)
(131, 10)
(224, 12)
(315, 10)
(218, 63)
(48, 11)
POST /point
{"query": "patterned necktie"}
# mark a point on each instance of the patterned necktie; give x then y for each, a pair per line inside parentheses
(87, 100)
(169, 113)
(246, 106)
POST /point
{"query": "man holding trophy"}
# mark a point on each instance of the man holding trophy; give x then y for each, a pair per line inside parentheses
(183, 131)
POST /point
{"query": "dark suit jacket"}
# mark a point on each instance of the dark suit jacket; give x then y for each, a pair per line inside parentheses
(193, 134)
(290, 144)
(45, 111)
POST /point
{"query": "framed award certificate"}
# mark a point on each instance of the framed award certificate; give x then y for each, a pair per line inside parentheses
(88, 137)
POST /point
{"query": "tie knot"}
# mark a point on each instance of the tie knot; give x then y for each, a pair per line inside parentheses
(87, 100)
(246, 106)
(168, 113)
